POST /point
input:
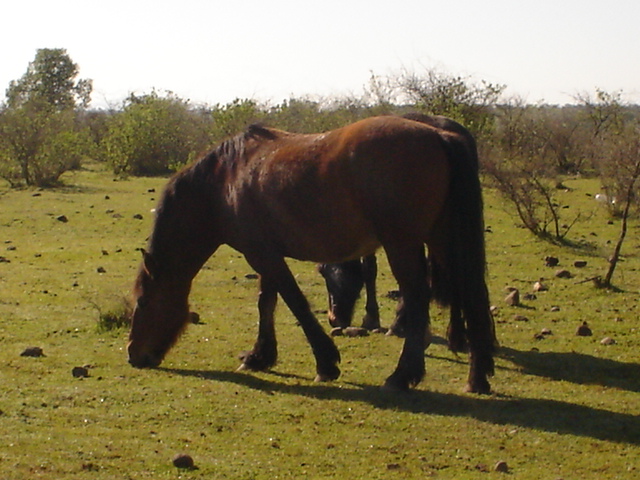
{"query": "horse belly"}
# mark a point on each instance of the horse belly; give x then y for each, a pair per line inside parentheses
(330, 238)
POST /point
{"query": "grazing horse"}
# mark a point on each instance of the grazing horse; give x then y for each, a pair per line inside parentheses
(327, 198)
(345, 280)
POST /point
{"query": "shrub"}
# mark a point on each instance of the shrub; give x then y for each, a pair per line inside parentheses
(154, 135)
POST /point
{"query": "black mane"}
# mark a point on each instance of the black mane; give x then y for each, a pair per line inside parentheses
(232, 150)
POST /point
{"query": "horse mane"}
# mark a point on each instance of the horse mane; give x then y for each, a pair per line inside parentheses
(229, 153)
(233, 150)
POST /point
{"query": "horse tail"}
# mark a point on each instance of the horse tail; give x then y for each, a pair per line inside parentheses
(460, 281)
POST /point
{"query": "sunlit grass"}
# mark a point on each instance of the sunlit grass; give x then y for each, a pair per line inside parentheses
(564, 406)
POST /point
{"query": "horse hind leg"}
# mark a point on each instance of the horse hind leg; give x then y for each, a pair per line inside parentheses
(409, 266)
(482, 344)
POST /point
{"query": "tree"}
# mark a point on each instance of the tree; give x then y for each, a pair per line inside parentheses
(154, 135)
(616, 134)
(234, 117)
(523, 167)
(50, 82)
(456, 97)
(40, 135)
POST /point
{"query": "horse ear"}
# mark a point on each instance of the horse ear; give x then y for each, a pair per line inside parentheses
(148, 264)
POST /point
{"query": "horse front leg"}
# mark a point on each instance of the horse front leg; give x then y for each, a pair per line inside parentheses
(326, 353)
(265, 351)
(371, 319)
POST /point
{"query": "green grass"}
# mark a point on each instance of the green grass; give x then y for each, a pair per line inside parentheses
(564, 407)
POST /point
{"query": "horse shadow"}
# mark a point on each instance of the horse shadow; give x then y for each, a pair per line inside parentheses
(576, 368)
(541, 414)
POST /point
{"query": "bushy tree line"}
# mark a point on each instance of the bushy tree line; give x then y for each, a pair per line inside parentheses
(526, 150)
(46, 129)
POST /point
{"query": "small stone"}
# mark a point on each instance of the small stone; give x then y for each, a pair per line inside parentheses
(539, 336)
(551, 261)
(513, 298)
(546, 331)
(80, 372)
(194, 318)
(138, 216)
(101, 270)
(182, 460)
(62, 218)
(530, 296)
(520, 318)
(607, 341)
(580, 263)
(251, 276)
(336, 332)
(501, 466)
(32, 352)
(382, 330)
(584, 330)
(563, 273)
(540, 287)
(356, 332)
(555, 308)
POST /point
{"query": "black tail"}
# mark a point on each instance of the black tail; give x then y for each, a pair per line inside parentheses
(462, 283)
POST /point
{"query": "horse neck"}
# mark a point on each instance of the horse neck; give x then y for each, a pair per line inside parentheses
(184, 239)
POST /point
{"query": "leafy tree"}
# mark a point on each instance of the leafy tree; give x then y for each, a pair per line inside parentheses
(305, 115)
(40, 135)
(154, 135)
(456, 97)
(234, 117)
(37, 149)
(50, 82)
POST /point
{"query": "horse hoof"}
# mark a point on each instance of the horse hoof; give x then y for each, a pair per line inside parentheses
(328, 376)
(392, 332)
(484, 389)
(391, 387)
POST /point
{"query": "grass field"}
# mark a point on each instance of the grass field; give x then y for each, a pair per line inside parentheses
(564, 407)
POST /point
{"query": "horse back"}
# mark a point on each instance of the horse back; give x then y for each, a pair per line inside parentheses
(329, 197)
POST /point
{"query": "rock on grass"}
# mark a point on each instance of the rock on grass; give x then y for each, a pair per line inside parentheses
(32, 352)
(183, 460)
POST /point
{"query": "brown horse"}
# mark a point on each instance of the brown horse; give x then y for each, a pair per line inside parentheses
(345, 280)
(382, 182)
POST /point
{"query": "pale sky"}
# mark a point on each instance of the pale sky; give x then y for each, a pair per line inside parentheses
(270, 50)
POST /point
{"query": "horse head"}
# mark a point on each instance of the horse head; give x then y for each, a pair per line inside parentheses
(160, 312)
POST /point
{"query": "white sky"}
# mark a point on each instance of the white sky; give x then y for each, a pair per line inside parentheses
(269, 50)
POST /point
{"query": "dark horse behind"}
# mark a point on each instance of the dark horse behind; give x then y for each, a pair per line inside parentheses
(326, 198)
(346, 280)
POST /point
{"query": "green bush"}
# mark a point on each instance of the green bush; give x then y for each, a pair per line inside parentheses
(38, 146)
(154, 135)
